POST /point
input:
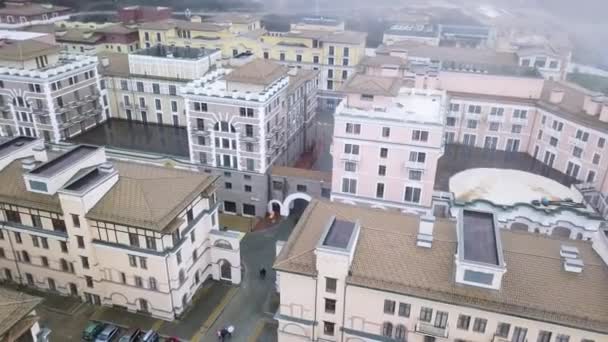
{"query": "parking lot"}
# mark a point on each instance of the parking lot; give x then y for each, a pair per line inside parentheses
(67, 316)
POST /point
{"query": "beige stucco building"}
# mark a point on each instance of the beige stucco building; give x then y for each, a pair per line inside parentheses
(356, 274)
(116, 233)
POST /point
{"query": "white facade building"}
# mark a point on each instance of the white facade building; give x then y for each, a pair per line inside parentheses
(112, 233)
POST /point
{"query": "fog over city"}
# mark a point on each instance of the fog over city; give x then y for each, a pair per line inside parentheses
(303, 171)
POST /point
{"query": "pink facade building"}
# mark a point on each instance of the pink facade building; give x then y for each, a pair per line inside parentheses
(140, 14)
(387, 140)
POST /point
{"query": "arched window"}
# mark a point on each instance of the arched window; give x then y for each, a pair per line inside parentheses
(64, 265)
(182, 277)
(400, 333)
(224, 126)
(387, 329)
(579, 236)
(222, 244)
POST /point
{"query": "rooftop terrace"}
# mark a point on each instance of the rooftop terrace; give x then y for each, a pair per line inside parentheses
(174, 52)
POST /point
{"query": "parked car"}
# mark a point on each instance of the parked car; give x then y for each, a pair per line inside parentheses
(150, 336)
(107, 334)
(92, 330)
(131, 335)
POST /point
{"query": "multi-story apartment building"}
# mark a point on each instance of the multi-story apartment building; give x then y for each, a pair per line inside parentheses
(333, 51)
(359, 274)
(45, 93)
(91, 38)
(243, 121)
(22, 13)
(387, 140)
(116, 233)
(144, 85)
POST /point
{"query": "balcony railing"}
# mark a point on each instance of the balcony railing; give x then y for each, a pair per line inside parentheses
(576, 142)
(430, 329)
(500, 339)
(350, 157)
(412, 165)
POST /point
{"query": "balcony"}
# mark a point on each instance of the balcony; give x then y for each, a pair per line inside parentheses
(126, 105)
(249, 138)
(500, 339)
(350, 157)
(576, 142)
(199, 131)
(430, 329)
(496, 118)
(472, 116)
(413, 165)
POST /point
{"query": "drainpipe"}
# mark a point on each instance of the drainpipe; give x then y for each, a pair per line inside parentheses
(315, 310)
(343, 309)
(169, 283)
(10, 240)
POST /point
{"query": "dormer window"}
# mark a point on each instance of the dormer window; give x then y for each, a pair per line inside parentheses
(38, 186)
(367, 97)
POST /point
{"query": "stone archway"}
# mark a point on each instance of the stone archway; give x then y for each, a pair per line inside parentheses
(273, 205)
(288, 202)
(519, 227)
(225, 269)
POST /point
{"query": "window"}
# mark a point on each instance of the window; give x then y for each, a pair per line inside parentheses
(502, 329)
(562, 338)
(58, 225)
(12, 216)
(328, 328)
(155, 88)
(282, 56)
(412, 194)
(45, 261)
(230, 207)
(474, 109)
(248, 209)
(463, 322)
(512, 145)
(140, 87)
(345, 72)
(426, 314)
(490, 143)
(381, 170)
(418, 135)
(450, 121)
(80, 241)
(134, 239)
(383, 152)
(596, 158)
(380, 190)
(150, 242)
(18, 237)
(601, 142)
(494, 126)
(85, 262)
(349, 185)
(496, 111)
(152, 283)
(553, 141)
(558, 126)
(266, 55)
(30, 279)
(469, 139)
(353, 128)
(472, 124)
(89, 281)
(400, 333)
(172, 90)
(441, 319)
(301, 188)
(415, 175)
(75, 220)
(139, 281)
(544, 336)
(351, 149)
(143, 263)
(386, 132)
(479, 325)
(519, 334)
(572, 169)
(178, 257)
(158, 105)
(417, 157)
(64, 246)
(520, 114)
(132, 260)
(25, 256)
(387, 329)
(454, 107)
(577, 151)
(590, 176)
(350, 166)
(124, 85)
(330, 285)
(35, 241)
(404, 310)
(330, 305)
(516, 129)
(582, 135)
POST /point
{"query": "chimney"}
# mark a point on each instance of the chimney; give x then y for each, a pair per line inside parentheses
(591, 104)
(40, 154)
(604, 112)
(425, 231)
(28, 164)
(557, 95)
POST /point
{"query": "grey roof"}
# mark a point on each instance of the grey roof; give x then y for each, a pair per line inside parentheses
(8, 146)
(258, 71)
(15, 50)
(372, 85)
(479, 239)
(14, 307)
(63, 161)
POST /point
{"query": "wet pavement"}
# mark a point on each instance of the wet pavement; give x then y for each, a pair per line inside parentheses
(137, 136)
(457, 158)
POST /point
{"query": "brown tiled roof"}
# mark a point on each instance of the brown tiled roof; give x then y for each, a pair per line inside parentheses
(381, 60)
(373, 85)
(167, 24)
(73, 35)
(14, 306)
(571, 107)
(386, 258)
(286, 171)
(118, 64)
(149, 196)
(259, 72)
(116, 29)
(13, 190)
(345, 37)
(26, 49)
(302, 76)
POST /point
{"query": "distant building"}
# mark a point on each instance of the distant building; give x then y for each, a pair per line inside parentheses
(140, 14)
(45, 93)
(126, 234)
(23, 13)
(417, 32)
(349, 273)
(243, 121)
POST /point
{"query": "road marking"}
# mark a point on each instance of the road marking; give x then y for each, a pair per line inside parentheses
(214, 315)
(157, 325)
(257, 331)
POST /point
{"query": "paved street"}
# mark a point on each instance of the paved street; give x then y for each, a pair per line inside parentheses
(251, 309)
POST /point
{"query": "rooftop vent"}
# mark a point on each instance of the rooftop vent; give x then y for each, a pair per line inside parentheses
(106, 167)
(28, 164)
(557, 95)
(425, 231)
(568, 252)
